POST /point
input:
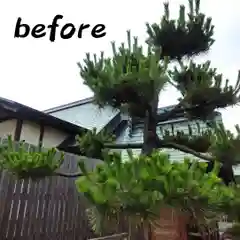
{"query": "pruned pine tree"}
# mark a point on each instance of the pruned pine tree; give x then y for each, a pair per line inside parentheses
(133, 78)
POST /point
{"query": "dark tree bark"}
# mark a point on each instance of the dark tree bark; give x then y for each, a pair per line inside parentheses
(150, 128)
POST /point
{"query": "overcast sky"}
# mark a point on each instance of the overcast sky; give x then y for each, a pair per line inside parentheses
(44, 74)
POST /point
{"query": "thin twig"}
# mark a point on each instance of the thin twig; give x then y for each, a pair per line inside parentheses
(170, 80)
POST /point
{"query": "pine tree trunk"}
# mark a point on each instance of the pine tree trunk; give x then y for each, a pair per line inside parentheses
(149, 144)
(150, 129)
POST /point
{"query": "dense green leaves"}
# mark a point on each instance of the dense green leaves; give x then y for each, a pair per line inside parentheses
(16, 159)
(182, 37)
(199, 142)
(129, 77)
(92, 143)
(225, 145)
(217, 140)
(141, 186)
(200, 85)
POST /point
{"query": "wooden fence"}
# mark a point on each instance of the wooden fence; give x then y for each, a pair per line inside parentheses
(50, 208)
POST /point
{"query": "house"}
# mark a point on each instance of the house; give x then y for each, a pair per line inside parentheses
(127, 130)
(35, 127)
(58, 126)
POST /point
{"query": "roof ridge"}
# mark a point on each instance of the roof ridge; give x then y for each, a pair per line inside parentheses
(68, 105)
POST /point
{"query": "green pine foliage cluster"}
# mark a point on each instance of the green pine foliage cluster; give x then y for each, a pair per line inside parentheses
(130, 77)
(140, 187)
(201, 85)
(194, 33)
(91, 143)
(34, 164)
(220, 142)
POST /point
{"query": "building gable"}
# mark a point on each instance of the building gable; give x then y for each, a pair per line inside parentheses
(86, 115)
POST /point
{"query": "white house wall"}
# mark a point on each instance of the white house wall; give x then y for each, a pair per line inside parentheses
(53, 137)
(86, 115)
(30, 132)
(7, 128)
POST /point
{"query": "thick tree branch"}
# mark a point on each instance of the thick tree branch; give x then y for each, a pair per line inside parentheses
(124, 146)
(162, 144)
(185, 149)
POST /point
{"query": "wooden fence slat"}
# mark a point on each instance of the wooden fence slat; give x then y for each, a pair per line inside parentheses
(53, 216)
(44, 207)
(9, 188)
(28, 217)
(34, 202)
(3, 194)
(23, 187)
(16, 206)
(36, 209)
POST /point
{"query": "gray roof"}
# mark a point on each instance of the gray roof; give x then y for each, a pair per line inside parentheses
(69, 105)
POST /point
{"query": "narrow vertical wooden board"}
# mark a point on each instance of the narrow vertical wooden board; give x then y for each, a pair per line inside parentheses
(3, 194)
(22, 191)
(7, 211)
(29, 217)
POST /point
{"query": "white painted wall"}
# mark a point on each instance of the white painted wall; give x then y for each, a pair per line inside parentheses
(7, 128)
(52, 137)
(31, 133)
